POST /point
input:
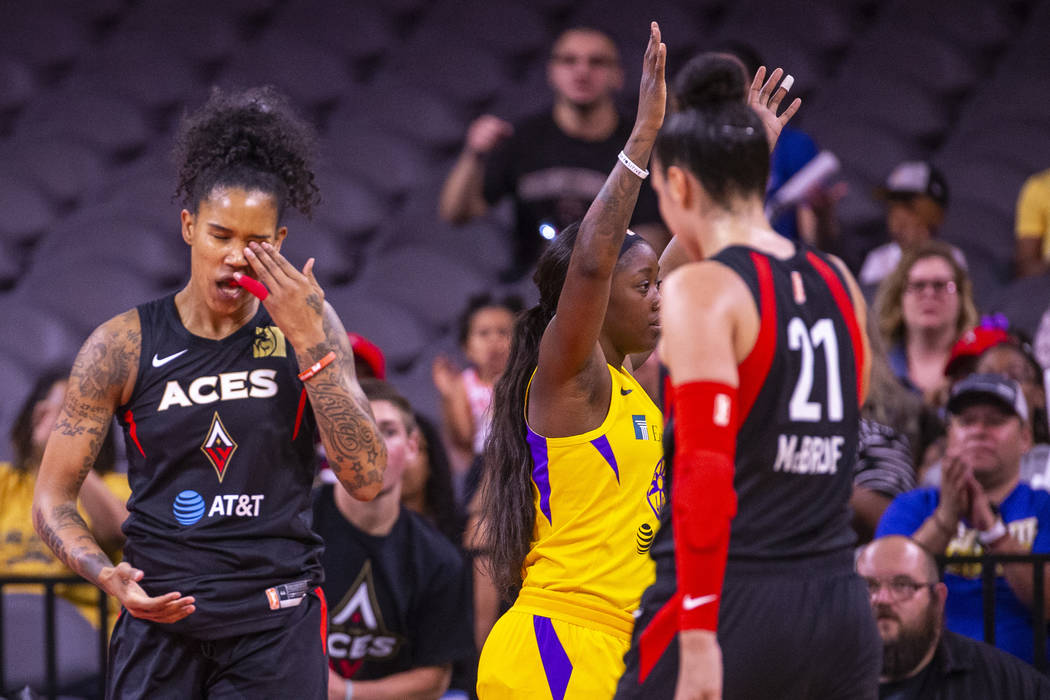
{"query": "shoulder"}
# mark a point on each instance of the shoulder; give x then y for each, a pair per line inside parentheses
(996, 668)
(709, 284)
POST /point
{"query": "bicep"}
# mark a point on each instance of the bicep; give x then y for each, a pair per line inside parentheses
(698, 329)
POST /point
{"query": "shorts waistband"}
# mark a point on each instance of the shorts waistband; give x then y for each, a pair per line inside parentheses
(838, 562)
(577, 609)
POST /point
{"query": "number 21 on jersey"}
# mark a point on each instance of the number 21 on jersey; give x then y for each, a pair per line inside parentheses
(821, 335)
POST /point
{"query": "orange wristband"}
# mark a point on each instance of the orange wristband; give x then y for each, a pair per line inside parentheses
(317, 366)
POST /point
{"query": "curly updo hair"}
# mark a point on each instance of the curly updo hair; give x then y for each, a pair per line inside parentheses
(251, 139)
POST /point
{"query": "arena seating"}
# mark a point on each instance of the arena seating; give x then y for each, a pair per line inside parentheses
(90, 93)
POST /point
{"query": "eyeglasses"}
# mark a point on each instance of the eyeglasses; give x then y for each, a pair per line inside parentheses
(569, 59)
(939, 287)
(901, 588)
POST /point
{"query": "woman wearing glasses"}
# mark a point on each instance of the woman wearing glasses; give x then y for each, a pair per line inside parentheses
(923, 307)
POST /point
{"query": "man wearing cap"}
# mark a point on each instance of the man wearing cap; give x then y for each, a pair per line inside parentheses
(916, 196)
(921, 659)
(981, 505)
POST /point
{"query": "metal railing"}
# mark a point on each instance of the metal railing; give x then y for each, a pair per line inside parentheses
(51, 685)
(989, 563)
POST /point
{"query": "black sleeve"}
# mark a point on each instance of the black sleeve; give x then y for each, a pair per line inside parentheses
(444, 618)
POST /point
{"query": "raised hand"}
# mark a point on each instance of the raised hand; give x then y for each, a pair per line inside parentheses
(121, 581)
(485, 133)
(652, 92)
(765, 101)
(295, 301)
(445, 375)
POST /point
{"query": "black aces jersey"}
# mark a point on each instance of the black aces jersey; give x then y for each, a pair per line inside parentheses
(219, 439)
(798, 413)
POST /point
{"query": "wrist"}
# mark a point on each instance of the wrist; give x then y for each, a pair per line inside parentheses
(945, 522)
(697, 639)
(993, 534)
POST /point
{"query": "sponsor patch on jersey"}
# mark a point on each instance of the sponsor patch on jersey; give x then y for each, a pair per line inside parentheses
(641, 428)
(287, 595)
(269, 342)
(644, 538)
(188, 507)
(218, 446)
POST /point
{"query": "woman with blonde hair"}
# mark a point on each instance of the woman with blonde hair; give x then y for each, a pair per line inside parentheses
(923, 308)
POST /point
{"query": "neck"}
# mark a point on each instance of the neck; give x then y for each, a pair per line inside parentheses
(202, 321)
(415, 502)
(613, 355)
(595, 122)
(744, 223)
(997, 490)
(375, 517)
(931, 342)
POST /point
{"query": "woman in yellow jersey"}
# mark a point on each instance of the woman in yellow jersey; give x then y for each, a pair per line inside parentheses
(573, 480)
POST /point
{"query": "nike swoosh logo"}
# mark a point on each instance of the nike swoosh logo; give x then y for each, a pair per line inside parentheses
(161, 361)
(689, 603)
(625, 392)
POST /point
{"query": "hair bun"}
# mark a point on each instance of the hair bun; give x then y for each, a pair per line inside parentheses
(710, 80)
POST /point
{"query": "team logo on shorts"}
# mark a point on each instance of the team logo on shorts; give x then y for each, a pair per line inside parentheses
(269, 342)
(218, 446)
(655, 495)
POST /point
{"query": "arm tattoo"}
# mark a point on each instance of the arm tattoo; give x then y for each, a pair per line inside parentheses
(76, 548)
(356, 451)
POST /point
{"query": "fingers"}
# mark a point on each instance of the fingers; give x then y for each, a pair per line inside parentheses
(767, 88)
(308, 270)
(167, 608)
(790, 111)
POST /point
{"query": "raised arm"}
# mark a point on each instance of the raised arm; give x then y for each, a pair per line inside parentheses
(462, 196)
(765, 101)
(102, 378)
(355, 448)
(570, 340)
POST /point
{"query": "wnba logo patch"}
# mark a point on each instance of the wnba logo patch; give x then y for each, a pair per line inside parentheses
(269, 342)
(656, 496)
(644, 539)
(218, 446)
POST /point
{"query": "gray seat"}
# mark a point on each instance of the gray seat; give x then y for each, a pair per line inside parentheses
(113, 125)
(25, 643)
(66, 170)
(27, 213)
(369, 312)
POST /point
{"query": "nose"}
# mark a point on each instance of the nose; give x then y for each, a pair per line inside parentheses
(881, 595)
(235, 256)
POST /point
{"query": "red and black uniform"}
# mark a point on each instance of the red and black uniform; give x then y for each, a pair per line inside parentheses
(219, 438)
(794, 619)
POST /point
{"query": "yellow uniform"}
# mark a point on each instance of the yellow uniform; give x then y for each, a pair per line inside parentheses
(597, 497)
(23, 553)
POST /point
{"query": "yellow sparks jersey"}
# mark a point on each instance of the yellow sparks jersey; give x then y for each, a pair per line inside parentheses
(597, 498)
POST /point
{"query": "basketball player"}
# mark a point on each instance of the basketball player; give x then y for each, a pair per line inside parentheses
(573, 460)
(219, 396)
(764, 341)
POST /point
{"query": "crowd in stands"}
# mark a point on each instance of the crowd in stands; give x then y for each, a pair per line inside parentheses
(954, 454)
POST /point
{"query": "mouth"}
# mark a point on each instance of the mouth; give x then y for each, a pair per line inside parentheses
(228, 289)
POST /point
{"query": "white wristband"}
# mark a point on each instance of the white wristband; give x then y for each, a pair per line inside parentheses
(349, 693)
(993, 534)
(632, 166)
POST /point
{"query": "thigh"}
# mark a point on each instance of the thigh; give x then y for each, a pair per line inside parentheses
(146, 661)
(285, 662)
(533, 656)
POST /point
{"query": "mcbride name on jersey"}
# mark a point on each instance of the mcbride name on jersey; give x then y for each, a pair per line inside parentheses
(219, 439)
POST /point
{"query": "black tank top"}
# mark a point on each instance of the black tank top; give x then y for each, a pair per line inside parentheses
(219, 439)
(798, 407)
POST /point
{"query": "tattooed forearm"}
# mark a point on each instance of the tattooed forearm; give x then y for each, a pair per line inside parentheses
(66, 533)
(355, 449)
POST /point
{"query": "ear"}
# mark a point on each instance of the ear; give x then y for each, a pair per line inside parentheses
(940, 593)
(279, 237)
(413, 445)
(187, 227)
(1026, 436)
(679, 187)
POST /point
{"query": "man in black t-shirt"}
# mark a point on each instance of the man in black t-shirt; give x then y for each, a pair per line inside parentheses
(554, 163)
(399, 598)
(921, 659)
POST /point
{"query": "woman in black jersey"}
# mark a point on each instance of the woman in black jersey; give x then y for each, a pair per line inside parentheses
(211, 386)
(764, 341)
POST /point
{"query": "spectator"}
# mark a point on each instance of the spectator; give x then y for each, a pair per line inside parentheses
(921, 659)
(399, 598)
(485, 329)
(923, 307)
(895, 428)
(1032, 226)
(980, 506)
(369, 360)
(916, 196)
(426, 485)
(553, 164)
(102, 498)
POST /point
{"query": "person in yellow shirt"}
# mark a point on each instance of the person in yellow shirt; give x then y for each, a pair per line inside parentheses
(22, 552)
(1032, 226)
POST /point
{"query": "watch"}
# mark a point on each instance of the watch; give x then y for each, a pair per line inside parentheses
(993, 534)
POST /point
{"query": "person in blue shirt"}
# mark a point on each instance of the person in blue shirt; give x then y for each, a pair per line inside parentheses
(981, 505)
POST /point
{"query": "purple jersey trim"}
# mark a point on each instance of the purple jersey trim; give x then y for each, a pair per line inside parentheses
(601, 444)
(556, 664)
(540, 475)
